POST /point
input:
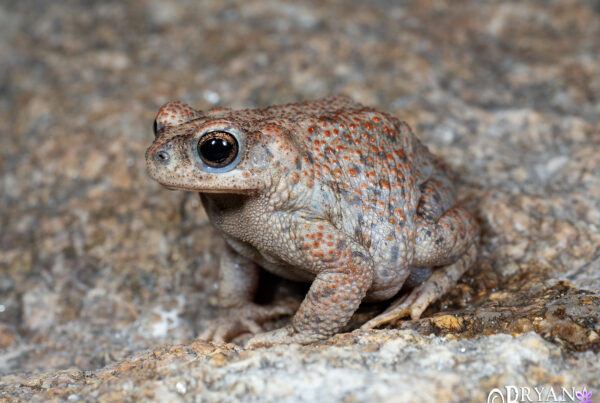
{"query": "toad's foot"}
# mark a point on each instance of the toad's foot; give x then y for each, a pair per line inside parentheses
(243, 319)
(429, 291)
(399, 309)
(285, 335)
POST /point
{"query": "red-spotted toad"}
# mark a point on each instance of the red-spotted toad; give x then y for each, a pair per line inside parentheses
(328, 192)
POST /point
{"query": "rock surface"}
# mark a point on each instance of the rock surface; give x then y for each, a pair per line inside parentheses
(100, 268)
(390, 365)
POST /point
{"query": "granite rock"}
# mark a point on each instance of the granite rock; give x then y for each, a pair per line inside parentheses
(390, 366)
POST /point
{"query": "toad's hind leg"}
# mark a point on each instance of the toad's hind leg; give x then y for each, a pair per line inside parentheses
(450, 244)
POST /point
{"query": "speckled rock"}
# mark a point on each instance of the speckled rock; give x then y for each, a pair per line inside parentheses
(100, 268)
(390, 366)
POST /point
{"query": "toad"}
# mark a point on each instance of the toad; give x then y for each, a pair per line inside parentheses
(328, 192)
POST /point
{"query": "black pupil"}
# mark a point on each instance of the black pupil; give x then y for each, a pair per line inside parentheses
(217, 151)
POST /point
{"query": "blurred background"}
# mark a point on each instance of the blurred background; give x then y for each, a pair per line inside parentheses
(98, 261)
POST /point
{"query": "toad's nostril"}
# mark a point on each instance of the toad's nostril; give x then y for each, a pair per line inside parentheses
(162, 156)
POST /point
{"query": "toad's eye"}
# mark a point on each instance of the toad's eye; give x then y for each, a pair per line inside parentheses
(218, 149)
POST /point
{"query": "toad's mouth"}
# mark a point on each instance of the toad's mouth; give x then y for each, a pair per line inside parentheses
(204, 190)
(172, 187)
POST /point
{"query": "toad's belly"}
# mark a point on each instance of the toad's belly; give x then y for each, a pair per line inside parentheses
(282, 269)
(269, 262)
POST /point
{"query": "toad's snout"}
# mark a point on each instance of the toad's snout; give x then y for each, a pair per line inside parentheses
(160, 161)
(161, 156)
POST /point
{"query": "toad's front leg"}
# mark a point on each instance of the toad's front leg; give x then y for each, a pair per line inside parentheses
(238, 281)
(344, 273)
